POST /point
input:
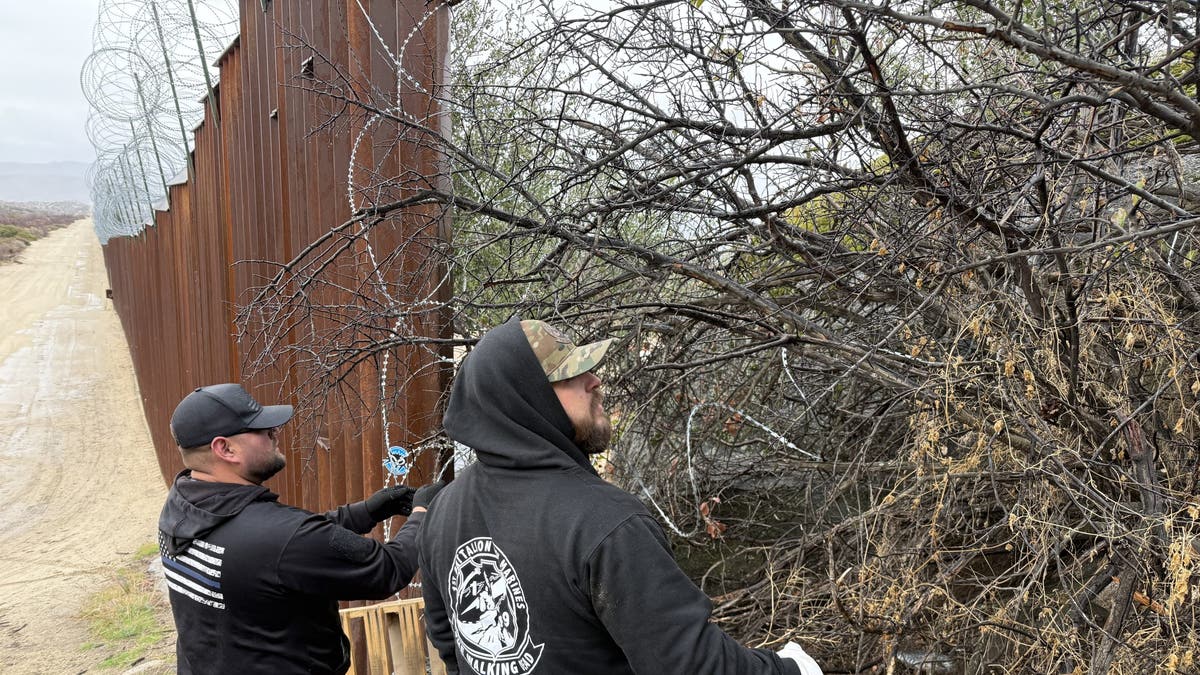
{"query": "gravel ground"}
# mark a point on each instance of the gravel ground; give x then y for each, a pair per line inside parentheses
(80, 488)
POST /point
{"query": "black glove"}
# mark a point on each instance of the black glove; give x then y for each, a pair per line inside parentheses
(426, 493)
(390, 501)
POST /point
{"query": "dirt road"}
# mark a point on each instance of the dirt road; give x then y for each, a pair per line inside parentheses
(79, 486)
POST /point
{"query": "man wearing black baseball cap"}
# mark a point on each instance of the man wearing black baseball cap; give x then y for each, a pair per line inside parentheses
(531, 563)
(254, 584)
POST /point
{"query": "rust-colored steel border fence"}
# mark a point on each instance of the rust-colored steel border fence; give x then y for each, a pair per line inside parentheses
(270, 176)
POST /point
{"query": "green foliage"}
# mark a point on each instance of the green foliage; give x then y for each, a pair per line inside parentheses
(1184, 67)
(127, 618)
(14, 232)
(146, 550)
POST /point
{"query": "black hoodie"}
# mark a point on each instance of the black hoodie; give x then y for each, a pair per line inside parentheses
(533, 564)
(254, 584)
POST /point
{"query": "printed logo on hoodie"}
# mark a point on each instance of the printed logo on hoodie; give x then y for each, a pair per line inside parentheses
(196, 572)
(488, 611)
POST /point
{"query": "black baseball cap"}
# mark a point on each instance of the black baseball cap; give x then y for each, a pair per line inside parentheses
(222, 410)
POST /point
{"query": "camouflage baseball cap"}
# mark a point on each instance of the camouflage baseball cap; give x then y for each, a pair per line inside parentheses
(560, 358)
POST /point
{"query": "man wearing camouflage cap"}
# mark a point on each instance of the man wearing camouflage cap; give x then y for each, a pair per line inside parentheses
(531, 562)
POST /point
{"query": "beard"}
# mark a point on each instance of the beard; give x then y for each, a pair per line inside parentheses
(269, 468)
(593, 436)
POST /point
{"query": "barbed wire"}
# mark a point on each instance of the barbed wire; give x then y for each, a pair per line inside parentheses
(148, 80)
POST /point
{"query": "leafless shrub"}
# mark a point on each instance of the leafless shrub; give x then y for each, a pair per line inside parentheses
(907, 289)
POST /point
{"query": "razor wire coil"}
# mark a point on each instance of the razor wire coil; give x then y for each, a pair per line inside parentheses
(146, 82)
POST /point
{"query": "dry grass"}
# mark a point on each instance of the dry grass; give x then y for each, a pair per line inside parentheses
(129, 619)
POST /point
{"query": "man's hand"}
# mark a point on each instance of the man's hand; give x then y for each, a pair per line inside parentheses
(426, 493)
(797, 654)
(390, 501)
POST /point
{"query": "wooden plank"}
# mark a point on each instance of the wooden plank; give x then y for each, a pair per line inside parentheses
(436, 665)
(347, 620)
(394, 634)
(407, 640)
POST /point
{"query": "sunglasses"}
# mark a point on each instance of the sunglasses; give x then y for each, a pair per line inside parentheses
(272, 432)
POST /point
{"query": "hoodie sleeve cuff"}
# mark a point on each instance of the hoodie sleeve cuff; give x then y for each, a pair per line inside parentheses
(353, 517)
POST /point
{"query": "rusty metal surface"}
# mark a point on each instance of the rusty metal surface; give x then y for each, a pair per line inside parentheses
(264, 185)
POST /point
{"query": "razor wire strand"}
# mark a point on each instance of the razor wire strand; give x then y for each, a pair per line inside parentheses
(396, 459)
(147, 81)
(166, 55)
(647, 493)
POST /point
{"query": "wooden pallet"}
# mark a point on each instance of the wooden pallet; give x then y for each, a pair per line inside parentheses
(395, 637)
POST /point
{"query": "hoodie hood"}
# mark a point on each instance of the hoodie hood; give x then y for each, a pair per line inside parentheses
(503, 407)
(196, 507)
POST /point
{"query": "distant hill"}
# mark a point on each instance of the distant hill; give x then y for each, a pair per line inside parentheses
(22, 223)
(48, 182)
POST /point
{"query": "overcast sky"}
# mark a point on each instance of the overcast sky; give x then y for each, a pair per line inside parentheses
(42, 110)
